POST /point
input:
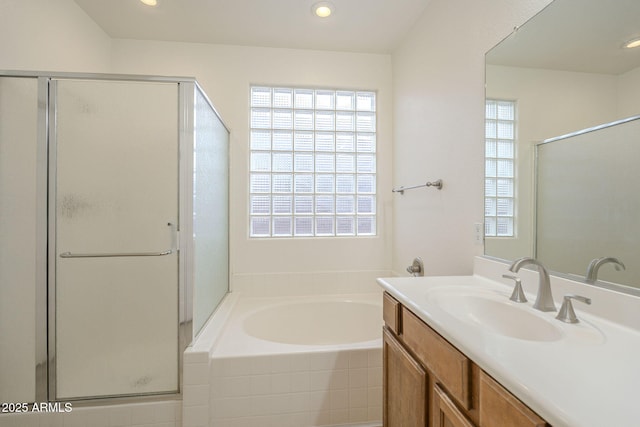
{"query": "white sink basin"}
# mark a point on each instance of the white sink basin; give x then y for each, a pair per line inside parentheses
(495, 313)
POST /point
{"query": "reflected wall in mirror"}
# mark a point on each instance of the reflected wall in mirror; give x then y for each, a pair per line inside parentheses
(566, 69)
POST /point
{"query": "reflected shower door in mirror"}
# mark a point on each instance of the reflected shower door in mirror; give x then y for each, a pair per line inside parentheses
(116, 207)
(589, 210)
(566, 69)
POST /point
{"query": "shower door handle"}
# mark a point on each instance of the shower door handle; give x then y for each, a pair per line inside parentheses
(115, 254)
(128, 254)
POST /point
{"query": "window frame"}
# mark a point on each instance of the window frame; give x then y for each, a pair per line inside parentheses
(323, 151)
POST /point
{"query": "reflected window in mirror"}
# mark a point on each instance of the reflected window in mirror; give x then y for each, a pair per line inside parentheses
(500, 134)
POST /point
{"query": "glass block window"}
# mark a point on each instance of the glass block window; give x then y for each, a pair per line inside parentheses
(313, 162)
(499, 188)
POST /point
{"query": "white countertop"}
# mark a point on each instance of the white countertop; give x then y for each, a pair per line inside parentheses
(569, 382)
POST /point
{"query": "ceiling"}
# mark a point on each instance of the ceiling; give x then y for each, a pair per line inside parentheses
(373, 26)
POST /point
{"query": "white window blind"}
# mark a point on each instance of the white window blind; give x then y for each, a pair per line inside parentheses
(313, 162)
(499, 204)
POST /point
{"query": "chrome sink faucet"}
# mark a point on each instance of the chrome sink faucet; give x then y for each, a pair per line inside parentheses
(594, 266)
(544, 299)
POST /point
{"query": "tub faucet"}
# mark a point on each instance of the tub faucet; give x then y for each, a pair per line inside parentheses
(416, 268)
(544, 299)
(595, 264)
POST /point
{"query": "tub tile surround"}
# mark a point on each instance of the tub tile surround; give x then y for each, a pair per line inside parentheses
(557, 379)
(332, 387)
(151, 414)
(297, 390)
(197, 367)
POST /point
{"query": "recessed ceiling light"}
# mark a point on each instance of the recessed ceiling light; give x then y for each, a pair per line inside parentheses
(150, 2)
(632, 43)
(323, 9)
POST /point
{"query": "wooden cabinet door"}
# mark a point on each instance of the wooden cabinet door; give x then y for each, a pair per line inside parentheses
(446, 414)
(405, 387)
(499, 408)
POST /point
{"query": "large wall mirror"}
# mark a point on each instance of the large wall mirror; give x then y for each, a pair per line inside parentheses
(575, 177)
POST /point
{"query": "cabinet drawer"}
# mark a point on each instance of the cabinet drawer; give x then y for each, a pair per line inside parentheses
(391, 313)
(499, 408)
(448, 365)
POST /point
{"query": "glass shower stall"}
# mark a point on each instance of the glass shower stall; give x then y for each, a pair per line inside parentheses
(113, 232)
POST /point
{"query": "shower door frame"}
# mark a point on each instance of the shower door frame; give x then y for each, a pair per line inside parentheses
(45, 286)
(183, 326)
(42, 232)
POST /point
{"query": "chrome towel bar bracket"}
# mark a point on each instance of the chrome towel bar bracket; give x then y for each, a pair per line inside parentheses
(437, 184)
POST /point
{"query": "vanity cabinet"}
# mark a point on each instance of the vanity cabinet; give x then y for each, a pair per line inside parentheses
(430, 383)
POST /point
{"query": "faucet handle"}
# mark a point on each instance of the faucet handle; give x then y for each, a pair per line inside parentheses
(566, 313)
(518, 294)
(416, 268)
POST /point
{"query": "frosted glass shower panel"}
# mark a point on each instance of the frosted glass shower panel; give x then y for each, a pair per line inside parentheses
(116, 207)
(588, 203)
(210, 217)
(18, 239)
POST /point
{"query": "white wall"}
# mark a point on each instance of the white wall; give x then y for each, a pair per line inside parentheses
(226, 73)
(438, 87)
(629, 93)
(51, 35)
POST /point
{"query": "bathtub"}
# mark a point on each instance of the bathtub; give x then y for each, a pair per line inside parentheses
(298, 361)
